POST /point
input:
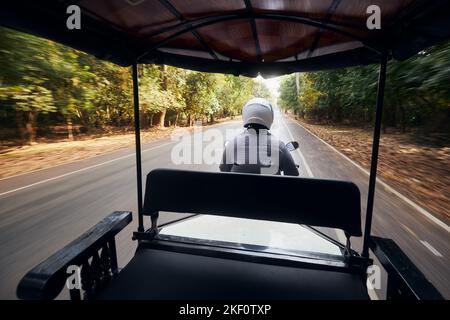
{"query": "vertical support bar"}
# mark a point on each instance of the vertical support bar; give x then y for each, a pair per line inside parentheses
(375, 149)
(137, 132)
(113, 257)
(75, 294)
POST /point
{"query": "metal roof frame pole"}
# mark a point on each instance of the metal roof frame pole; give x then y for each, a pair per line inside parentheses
(137, 133)
(375, 149)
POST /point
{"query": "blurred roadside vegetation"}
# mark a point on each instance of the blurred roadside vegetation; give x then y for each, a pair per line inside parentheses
(44, 86)
(417, 94)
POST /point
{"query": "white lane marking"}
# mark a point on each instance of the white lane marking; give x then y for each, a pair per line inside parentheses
(340, 234)
(68, 162)
(83, 169)
(37, 170)
(431, 248)
(308, 169)
(386, 186)
(96, 165)
(410, 231)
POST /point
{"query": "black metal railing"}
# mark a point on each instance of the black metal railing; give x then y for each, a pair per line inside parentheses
(94, 253)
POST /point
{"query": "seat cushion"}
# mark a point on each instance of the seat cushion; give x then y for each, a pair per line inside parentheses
(159, 274)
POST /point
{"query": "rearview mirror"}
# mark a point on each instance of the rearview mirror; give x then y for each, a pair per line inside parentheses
(291, 146)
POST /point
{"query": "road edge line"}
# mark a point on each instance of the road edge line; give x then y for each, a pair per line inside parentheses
(81, 170)
(339, 233)
(103, 154)
(424, 212)
(308, 169)
(431, 248)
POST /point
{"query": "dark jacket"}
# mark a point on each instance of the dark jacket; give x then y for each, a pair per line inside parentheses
(257, 151)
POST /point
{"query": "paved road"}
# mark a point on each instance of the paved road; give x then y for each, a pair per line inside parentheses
(42, 211)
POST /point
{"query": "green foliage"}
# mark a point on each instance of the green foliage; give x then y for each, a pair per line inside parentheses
(416, 92)
(260, 90)
(29, 98)
(288, 98)
(310, 95)
(233, 92)
(62, 85)
(161, 88)
(198, 92)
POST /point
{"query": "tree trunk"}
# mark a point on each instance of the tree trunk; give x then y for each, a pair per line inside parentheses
(108, 115)
(175, 122)
(20, 126)
(403, 118)
(161, 118)
(31, 127)
(384, 127)
(69, 127)
(164, 86)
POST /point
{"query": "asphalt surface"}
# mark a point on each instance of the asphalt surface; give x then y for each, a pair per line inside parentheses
(42, 211)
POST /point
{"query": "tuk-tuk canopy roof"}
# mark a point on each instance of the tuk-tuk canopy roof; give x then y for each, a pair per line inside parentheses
(248, 37)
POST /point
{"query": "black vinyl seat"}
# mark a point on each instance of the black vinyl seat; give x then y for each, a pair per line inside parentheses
(160, 274)
(155, 273)
(165, 274)
(314, 202)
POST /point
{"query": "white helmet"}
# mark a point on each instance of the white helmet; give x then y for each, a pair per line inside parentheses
(258, 111)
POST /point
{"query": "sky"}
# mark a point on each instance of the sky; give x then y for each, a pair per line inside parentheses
(273, 84)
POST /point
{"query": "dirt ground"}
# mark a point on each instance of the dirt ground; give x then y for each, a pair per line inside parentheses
(44, 154)
(416, 166)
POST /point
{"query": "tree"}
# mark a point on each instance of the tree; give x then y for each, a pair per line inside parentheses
(288, 98)
(23, 80)
(308, 95)
(161, 89)
(113, 95)
(260, 90)
(197, 93)
(233, 92)
(73, 85)
(416, 93)
(29, 100)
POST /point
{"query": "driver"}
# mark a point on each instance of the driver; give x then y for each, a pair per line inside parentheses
(256, 150)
